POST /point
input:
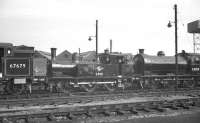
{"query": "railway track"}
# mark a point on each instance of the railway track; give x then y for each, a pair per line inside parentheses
(135, 92)
(99, 111)
(81, 98)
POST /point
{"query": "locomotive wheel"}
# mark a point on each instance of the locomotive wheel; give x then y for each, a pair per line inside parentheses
(61, 87)
(18, 89)
(89, 87)
(64, 88)
(10, 88)
(110, 87)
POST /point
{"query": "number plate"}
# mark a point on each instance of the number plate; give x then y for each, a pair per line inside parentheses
(20, 81)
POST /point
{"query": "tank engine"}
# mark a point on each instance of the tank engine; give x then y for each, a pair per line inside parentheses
(108, 70)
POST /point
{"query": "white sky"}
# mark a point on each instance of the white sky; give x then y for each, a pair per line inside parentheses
(66, 24)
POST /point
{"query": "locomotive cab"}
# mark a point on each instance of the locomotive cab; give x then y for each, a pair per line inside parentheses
(120, 63)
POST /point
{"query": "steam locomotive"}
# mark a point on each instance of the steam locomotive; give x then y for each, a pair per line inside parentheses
(25, 70)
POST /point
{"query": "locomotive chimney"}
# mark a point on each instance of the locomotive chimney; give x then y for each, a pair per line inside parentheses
(183, 52)
(160, 53)
(53, 54)
(75, 57)
(141, 51)
(106, 51)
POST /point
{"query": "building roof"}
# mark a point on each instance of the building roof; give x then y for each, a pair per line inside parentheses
(64, 56)
(43, 54)
(88, 56)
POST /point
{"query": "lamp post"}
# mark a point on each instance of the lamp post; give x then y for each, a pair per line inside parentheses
(176, 40)
(96, 36)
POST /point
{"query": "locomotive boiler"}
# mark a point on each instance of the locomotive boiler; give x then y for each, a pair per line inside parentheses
(158, 65)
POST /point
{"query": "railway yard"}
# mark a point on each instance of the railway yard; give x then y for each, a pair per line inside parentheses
(92, 87)
(119, 87)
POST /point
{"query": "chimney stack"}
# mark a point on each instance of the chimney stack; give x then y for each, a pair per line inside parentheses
(141, 51)
(53, 54)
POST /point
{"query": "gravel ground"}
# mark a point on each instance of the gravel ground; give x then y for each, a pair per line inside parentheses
(171, 116)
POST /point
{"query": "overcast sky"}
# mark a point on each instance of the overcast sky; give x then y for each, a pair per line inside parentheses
(66, 24)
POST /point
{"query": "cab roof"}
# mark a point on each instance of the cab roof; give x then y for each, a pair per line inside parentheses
(6, 44)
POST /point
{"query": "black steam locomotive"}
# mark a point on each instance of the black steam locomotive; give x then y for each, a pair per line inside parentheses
(23, 69)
